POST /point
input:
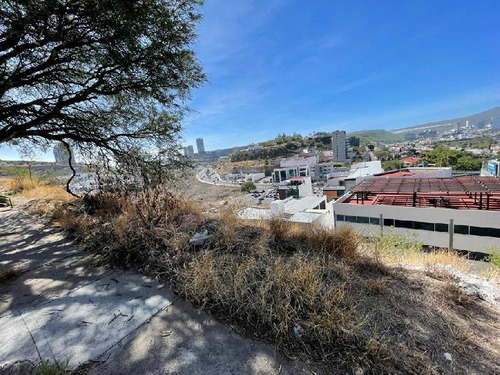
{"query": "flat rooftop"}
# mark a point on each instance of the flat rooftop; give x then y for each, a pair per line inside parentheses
(466, 192)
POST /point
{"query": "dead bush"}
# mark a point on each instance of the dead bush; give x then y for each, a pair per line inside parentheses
(346, 242)
(342, 241)
(377, 286)
(279, 229)
(313, 293)
(229, 223)
(457, 295)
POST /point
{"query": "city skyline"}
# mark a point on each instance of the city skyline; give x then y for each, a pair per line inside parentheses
(283, 67)
(279, 66)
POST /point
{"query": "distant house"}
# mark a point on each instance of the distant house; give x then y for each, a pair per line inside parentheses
(410, 161)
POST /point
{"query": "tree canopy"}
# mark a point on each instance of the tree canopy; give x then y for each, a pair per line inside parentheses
(443, 156)
(106, 76)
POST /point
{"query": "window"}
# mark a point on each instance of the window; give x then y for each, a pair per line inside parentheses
(340, 217)
(375, 221)
(423, 225)
(389, 222)
(404, 224)
(440, 227)
(350, 219)
(461, 229)
(489, 232)
(283, 175)
(363, 220)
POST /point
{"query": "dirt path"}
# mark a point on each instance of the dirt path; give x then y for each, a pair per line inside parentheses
(64, 306)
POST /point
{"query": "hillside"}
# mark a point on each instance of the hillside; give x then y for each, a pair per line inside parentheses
(445, 125)
(376, 135)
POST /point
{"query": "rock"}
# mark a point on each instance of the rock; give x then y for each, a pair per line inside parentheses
(298, 330)
(191, 221)
(17, 368)
(448, 356)
(199, 237)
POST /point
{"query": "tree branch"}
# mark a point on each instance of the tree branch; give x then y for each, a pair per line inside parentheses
(70, 157)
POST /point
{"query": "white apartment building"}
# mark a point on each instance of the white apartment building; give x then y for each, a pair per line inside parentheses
(339, 146)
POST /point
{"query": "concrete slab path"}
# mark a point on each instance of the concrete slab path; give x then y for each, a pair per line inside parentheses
(65, 306)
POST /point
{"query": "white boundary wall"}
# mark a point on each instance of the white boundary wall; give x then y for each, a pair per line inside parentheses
(478, 218)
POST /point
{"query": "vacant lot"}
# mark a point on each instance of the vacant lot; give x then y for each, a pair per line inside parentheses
(316, 295)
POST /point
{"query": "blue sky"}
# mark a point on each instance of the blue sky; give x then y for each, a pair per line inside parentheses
(300, 66)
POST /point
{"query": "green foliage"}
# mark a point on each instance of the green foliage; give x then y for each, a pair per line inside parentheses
(282, 139)
(443, 156)
(14, 171)
(468, 163)
(247, 187)
(262, 153)
(376, 136)
(48, 175)
(390, 165)
(382, 155)
(398, 244)
(110, 77)
(479, 142)
(494, 258)
(51, 368)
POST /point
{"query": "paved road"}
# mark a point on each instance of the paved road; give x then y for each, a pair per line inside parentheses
(66, 307)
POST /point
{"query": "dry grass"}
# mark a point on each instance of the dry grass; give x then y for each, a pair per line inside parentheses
(342, 241)
(48, 192)
(404, 250)
(315, 294)
(457, 295)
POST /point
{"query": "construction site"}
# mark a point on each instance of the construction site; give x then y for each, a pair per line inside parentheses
(466, 193)
(429, 209)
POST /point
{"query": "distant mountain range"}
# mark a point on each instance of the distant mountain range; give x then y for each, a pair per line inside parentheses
(445, 125)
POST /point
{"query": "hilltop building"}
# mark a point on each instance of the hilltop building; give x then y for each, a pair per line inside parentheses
(200, 145)
(280, 175)
(339, 183)
(339, 146)
(189, 152)
(354, 141)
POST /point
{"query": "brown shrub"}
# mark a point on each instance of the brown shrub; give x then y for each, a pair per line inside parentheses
(279, 228)
(377, 286)
(346, 242)
(310, 292)
(341, 241)
(229, 223)
(456, 294)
